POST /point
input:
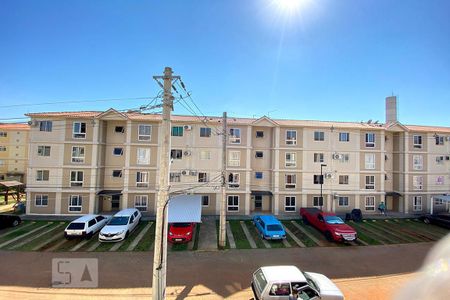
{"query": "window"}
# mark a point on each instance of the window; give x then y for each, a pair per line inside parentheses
(318, 158)
(202, 177)
(75, 203)
(418, 183)
(417, 141)
(343, 201)
(344, 137)
(91, 223)
(370, 140)
(259, 134)
(440, 180)
(417, 203)
(317, 201)
(119, 129)
(319, 135)
(2, 148)
(291, 137)
(175, 177)
(235, 136)
(343, 179)
(259, 175)
(2, 162)
(290, 159)
(344, 158)
(177, 130)
(205, 132)
(42, 175)
(142, 179)
(78, 154)
(259, 154)
(205, 200)
(76, 178)
(438, 201)
(233, 180)
(440, 159)
(45, 126)
(290, 181)
(318, 179)
(370, 161)
(370, 182)
(369, 203)
(205, 154)
(143, 156)
(280, 289)
(417, 162)
(117, 173)
(3, 134)
(176, 154)
(289, 203)
(141, 202)
(234, 160)
(144, 132)
(41, 200)
(118, 151)
(43, 150)
(439, 140)
(79, 130)
(233, 203)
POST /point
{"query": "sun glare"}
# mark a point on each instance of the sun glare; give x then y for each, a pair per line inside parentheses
(289, 6)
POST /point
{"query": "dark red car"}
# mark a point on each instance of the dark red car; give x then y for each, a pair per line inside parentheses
(181, 232)
(333, 227)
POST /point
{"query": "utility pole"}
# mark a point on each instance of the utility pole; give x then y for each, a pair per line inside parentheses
(223, 217)
(160, 252)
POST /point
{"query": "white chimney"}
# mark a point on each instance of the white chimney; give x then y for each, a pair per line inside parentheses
(391, 109)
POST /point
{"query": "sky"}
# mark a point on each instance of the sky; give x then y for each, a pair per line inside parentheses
(326, 60)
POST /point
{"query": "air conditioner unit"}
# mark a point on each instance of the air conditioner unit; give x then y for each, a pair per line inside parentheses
(187, 153)
(341, 156)
(193, 173)
(336, 156)
(33, 123)
(447, 138)
(328, 175)
(187, 127)
(447, 158)
(185, 172)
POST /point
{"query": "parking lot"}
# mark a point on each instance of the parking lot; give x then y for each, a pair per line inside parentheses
(241, 234)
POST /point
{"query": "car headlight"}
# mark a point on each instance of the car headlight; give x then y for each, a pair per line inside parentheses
(337, 233)
(170, 233)
(188, 233)
(120, 232)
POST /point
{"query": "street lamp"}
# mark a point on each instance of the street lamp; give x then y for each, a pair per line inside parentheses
(321, 183)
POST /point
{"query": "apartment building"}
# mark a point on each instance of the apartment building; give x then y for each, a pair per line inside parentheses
(86, 162)
(13, 151)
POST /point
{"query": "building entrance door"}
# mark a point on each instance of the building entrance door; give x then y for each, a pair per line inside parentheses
(115, 202)
(258, 202)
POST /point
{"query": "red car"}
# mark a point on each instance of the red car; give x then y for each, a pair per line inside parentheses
(329, 224)
(181, 232)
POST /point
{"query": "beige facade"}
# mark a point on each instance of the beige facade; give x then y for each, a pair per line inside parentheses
(109, 160)
(13, 151)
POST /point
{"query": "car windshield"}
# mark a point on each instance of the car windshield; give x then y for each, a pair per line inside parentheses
(119, 221)
(76, 226)
(333, 220)
(275, 227)
(181, 224)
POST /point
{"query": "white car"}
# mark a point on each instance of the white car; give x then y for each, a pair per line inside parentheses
(120, 226)
(279, 282)
(86, 226)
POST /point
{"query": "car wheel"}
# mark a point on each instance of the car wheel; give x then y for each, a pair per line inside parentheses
(127, 234)
(305, 220)
(328, 236)
(262, 236)
(426, 221)
(15, 223)
(89, 235)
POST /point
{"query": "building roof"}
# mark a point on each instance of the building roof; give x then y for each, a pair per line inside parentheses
(185, 209)
(137, 116)
(12, 126)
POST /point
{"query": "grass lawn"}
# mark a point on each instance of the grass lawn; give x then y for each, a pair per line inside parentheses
(146, 244)
(197, 236)
(126, 243)
(179, 247)
(401, 230)
(364, 235)
(299, 234)
(254, 233)
(426, 229)
(380, 236)
(21, 230)
(239, 237)
(390, 234)
(29, 246)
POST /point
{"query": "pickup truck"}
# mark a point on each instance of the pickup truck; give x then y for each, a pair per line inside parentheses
(329, 224)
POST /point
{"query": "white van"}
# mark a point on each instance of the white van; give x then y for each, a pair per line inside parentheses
(120, 226)
(86, 226)
(279, 282)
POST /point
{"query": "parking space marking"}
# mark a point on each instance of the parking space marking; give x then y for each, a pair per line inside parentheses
(230, 236)
(387, 235)
(24, 235)
(54, 238)
(81, 244)
(265, 242)
(313, 238)
(377, 235)
(361, 242)
(16, 229)
(286, 243)
(141, 234)
(248, 235)
(32, 238)
(56, 246)
(94, 246)
(296, 240)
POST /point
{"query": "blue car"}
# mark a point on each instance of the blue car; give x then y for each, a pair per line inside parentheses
(269, 227)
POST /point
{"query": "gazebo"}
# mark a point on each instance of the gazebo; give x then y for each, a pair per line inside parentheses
(12, 188)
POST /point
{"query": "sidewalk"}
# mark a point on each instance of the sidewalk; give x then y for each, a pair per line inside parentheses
(208, 234)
